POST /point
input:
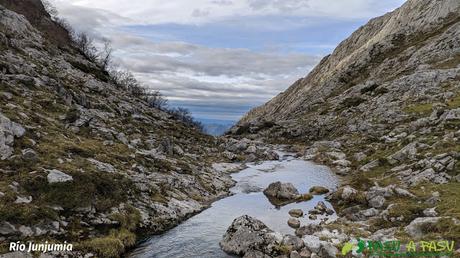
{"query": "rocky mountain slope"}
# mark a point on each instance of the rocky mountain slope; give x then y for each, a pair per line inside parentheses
(384, 111)
(83, 160)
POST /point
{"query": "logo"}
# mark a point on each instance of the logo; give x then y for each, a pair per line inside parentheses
(395, 248)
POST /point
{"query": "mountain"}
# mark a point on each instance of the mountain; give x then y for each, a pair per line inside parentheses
(216, 127)
(83, 159)
(384, 111)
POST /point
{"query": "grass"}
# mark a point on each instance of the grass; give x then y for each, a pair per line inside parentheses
(454, 102)
(118, 240)
(423, 109)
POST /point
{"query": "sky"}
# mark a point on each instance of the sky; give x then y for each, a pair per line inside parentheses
(220, 58)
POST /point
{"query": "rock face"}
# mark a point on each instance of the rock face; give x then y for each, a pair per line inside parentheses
(360, 80)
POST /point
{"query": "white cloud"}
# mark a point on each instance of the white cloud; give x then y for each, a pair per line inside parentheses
(200, 11)
(220, 82)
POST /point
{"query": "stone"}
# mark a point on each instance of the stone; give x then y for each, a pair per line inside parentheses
(25, 200)
(8, 132)
(416, 227)
(296, 213)
(369, 166)
(348, 193)
(342, 163)
(329, 211)
(56, 176)
(251, 149)
(292, 242)
(430, 212)
(255, 254)
(377, 202)
(281, 191)
(321, 206)
(25, 231)
(7, 229)
(408, 152)
(318, 190)
(312, 217)
(248, 234)
(304, 253)
(360, 156)
(295, 254)
(294, 223)
(101, 166)
(327, 250)
(307, 230)
(29, 155)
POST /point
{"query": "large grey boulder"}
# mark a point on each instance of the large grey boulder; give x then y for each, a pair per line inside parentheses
(247, 234)
(8, 131)
(281, 193)
(415, 228)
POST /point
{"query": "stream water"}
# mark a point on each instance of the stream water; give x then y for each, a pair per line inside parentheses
(199, 236)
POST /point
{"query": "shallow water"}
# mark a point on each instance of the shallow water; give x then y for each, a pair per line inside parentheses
(199, 236)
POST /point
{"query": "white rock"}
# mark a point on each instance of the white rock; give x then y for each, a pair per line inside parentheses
(56, 176)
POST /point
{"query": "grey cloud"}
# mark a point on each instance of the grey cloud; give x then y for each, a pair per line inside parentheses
(222, 2)
(157, 57)
(282, 5)
(200, 13)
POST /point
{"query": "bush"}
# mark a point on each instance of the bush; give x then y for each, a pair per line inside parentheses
(122, 79)
(184, 115)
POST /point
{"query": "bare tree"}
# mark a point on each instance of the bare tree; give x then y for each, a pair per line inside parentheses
(156, 100)
(105, 56)
(86, 45)
(50, 9)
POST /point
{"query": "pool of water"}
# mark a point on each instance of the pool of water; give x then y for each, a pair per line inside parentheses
(199, 236)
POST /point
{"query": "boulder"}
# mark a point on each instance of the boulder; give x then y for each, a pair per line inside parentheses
(101, 166)
(416, 227)
(29, 155)
(247, 234)
(377, 202)
(8, 132)
(294, 243)
(56, 176)
(317, 190)
(281, 193)
(307, 230)
(293, 223)
(296, 213)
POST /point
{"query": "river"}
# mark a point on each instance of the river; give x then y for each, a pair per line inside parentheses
(199, 236)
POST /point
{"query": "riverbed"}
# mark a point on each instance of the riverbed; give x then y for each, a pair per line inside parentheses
(199, 236)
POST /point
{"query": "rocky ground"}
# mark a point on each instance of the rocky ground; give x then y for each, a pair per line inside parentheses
(383, 111)
(84, 161)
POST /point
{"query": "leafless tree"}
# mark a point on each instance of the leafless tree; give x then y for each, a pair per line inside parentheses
(105, 56)
(50, 9)
(86, 45)
(156, 100)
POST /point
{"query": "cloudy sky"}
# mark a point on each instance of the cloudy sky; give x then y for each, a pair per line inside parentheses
(219, 58)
